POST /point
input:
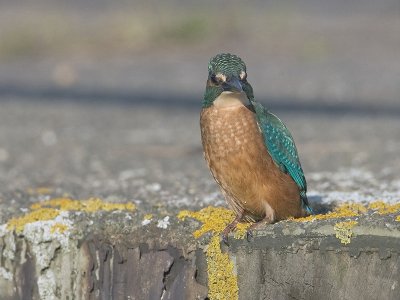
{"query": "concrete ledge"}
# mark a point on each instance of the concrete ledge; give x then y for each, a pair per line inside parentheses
(117, 254)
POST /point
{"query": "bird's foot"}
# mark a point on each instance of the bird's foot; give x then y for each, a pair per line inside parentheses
(225, 238)
(231, 226)
(249, 235)
(228, 230)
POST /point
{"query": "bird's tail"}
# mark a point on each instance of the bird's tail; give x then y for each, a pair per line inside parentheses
(306, 205)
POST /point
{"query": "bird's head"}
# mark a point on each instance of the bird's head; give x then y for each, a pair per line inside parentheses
(226, 73)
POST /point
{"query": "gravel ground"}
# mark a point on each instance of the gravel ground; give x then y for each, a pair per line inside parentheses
(88, 109)
(152, 154)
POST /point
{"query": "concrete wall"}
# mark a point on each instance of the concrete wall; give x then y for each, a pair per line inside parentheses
(276, 264)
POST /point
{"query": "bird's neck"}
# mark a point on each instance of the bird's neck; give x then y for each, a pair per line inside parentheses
(211, 93)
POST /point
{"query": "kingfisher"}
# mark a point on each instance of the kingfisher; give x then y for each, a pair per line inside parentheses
(249, 151)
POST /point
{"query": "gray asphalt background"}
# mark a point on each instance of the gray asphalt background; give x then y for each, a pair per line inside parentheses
(126, 127)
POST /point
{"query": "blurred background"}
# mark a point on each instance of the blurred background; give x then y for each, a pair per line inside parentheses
(103, 97)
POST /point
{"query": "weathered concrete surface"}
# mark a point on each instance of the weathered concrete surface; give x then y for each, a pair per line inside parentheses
(297, 267)
(288, 260)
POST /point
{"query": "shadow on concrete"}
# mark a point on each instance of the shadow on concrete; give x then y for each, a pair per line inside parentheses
(320, 207)
(98, 96)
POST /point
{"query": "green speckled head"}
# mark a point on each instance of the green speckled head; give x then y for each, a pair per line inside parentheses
(226, 72)
(227, 64)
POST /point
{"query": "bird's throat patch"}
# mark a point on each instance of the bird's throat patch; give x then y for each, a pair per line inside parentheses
(230, 99)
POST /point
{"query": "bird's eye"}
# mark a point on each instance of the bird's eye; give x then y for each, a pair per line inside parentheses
(218, 78)
(243, 75)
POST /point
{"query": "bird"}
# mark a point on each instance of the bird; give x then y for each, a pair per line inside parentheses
(250, 152)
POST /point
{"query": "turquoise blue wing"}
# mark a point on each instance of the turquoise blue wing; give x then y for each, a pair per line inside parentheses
(281, 147)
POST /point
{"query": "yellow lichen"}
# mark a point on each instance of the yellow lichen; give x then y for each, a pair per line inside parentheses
(90, 205)
(148, 217)
(214, 220)
(58, 227)
(376, 205)
(384, 208)
(398, 218)
(40, 214)
(347, 210)
(48, 210)
(343, 211)
(222, 280)
(351, 207)
(39, 191)
(344, 231)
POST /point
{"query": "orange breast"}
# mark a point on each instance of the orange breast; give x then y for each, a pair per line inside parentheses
(240, 163)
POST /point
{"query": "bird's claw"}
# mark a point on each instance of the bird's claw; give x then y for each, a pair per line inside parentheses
(249, 235)
(225, 239)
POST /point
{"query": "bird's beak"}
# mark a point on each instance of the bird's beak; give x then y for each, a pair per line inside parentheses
(233, 85)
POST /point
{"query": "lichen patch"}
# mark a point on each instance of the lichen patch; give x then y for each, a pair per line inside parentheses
(350, 209)
(89, 205)
(383, 208)
(163, 223)
(214, 220)
(222, 278)
(40, 191)
(50, 209)
(147, 219)
(58, 227)
(343, 231)
(39, 214)
(6, 274)
(345, 210)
